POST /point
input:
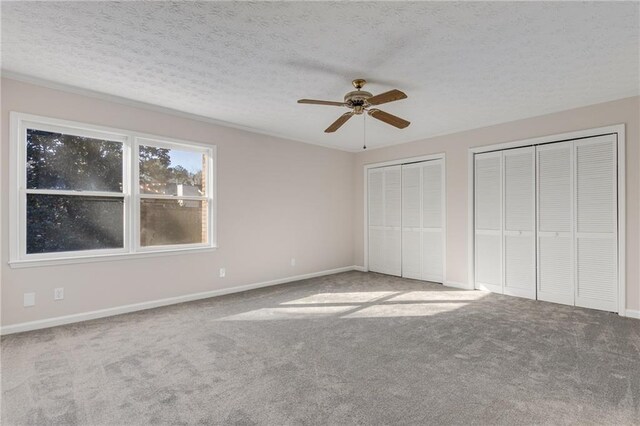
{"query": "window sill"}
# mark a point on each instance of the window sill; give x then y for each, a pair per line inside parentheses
(33, 263)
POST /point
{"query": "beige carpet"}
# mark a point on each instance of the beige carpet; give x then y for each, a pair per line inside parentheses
(351, 348)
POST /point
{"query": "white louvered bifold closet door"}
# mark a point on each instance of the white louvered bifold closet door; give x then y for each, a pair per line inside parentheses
(555, 222)
(433, 220)
(384, 209)
(412, 221)
(519, 222)
(422, 220)
(488, 221)
(596, 225)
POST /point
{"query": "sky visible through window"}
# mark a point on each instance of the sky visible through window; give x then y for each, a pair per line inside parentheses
(191, 161)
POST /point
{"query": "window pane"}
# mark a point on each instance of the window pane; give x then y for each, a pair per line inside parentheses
(60, 161)
(164, 222)
(172, 172)
(69, 223)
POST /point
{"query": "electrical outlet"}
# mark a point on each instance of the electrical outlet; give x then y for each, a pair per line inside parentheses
(223, 272)
(29, 299)
(293, 261)
(58, 293)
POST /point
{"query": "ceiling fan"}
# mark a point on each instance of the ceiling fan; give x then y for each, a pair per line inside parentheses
(360, 101)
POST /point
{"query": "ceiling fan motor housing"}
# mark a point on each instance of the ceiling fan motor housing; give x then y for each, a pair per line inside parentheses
(357, 100)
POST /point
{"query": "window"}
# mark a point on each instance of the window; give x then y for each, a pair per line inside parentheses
(80, 191)
(174, 207)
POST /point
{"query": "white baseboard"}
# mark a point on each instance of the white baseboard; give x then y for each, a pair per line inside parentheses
(630, 313)
(456, 284)
(359, 268)
(101, 313)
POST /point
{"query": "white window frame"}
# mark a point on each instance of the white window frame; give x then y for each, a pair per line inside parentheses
(18, 257)
(138, 197)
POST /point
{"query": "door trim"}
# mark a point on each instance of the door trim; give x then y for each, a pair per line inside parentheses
(399, 162)
(619, 130)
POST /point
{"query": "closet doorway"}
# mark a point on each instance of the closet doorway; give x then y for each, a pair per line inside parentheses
(405, 218)
(547, 219)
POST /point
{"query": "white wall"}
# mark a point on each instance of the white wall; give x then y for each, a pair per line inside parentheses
(278, 199)
(456, 147)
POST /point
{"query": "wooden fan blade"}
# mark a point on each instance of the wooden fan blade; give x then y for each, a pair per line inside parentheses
(390, 96)
(339, 122)
(316, 102)
(389, 118)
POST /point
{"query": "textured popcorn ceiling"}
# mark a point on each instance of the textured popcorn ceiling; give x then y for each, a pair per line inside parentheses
(463, 65)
